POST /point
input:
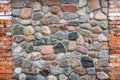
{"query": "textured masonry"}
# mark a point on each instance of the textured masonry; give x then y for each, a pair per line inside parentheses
(5, 40)
(60, 39)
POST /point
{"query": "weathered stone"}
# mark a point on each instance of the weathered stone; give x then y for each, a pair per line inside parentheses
(87, 77)
(102, 75)
(73, 76)
(48, 49)
(91, 71)
(48, 15)
(70, 28)
(73, 23)
(16, 12)
(37, 28)
(59, 48)
(54, 9)
(82, 49)
(86, 26)
(28, 48)
(103, 24)
(82, 3)
(44, 72)
(55, 70)
(49, 57)
(22, 76)
(31, 78)
(85, 32)
(100, 16)
(71, 46)
(96, 30)
(59, 35)
(35, 56)
(29, 71)
(93, 54)
(25, 13)
(84, 18)
(36, 22)
(69, 7)
(69, 1)
(70, 16)
(40, 77)
(26, 64)
(104, 3)
(45, 30)
(50, 2)
(17, 4)
(80, 70)
(45, 9)
(45, 21)
(87, 62)
(72, 36)
(54, 19)
(82, 11)
(102, 62)
(17, 30)
(74, 62)
(38, 35)
(30, 38)
(18, 70)
(62, 77)
(102, 37)
(18, 38)
(67, 70)
(64, 63)
(29, 30)
(93, 22)
(80, 40)
(51, 77)
(54, 28)
(36, 6)
(94, 5)
(25, 21)
(18, 49)
(37, 15)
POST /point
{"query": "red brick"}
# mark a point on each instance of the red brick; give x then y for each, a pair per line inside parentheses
(8, 23)
(2, 6)
(69, 7)
(50, 2)
(8, 42)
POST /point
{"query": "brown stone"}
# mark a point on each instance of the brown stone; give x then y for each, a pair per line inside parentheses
(29, 30)
(49, 57)
(74, 62)
(70, 28)
(50, 2)
(29, 71)
(25, 13)
(82, 49)
(35, 56)
(69, 7)
(71, 46)
(30, 38)
(80, 70)
(94, 5)
(48, 49)
(102, 75)
(54, 9)
(93, 54)
(102, 62)
(45, 21)
(100, 16)
(96, 30)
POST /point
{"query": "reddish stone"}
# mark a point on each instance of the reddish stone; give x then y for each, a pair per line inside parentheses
(69, 7)
(45, 21)
(50, 2)
(63, 27)
(54, 28)
(54, 9)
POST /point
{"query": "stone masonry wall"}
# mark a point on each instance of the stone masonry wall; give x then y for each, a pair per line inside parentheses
(5, 40)
(60, 39)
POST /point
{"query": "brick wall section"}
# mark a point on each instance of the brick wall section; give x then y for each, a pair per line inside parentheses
(114, 39)
(5, 40)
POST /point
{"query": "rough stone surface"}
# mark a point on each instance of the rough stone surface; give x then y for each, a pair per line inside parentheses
(25, 13)
(94, 5)
(102, 75)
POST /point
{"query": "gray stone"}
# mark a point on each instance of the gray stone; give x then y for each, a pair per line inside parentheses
(82, 3)
(102, 37)
(82, 11)
(36, 22)
(59, 48)
(102, 75)
(29, 48)
(104, 3)
(51, 77)
(67, 70)
(69, 1)
(40, 77)
(73, 76)
(55, 70)
(38, 35)
(59, 35)
(91, 71)
(18, 30)
(54, 19)
(85, 32)
(103, 24)
(64, 63)
(36, 6)
(86, 26)
(74, 62)
(103, 54)
(93, 22)
(70, 16)
(22, 76)
(73, 36)
(16, 12)
(18, 49)
(73, 23)
(37, 28)
(25, 21)
(62, 77)
(37, 15)
(17, 4)
(83, 18)
(31, 78)
(87, 62)
(26, 64)
(45, 9)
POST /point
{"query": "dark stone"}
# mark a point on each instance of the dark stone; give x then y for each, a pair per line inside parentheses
(87, 62)
(17, 30)
(73, 76)
(42, 41)
(30, 78)
(83, 19)
(69, 1)
(44, 72)
(59, 48)
(73, 23)
(73, 36)
(37, 16)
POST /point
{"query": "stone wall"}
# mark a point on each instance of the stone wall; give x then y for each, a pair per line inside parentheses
(60, 39)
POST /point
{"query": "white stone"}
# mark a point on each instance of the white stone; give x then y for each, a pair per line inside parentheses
(60, 56)
(82, 3)
(62, 21)
(18, 70)
(82, 11)
(22, 76)
(102, 37)
(51, 77)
